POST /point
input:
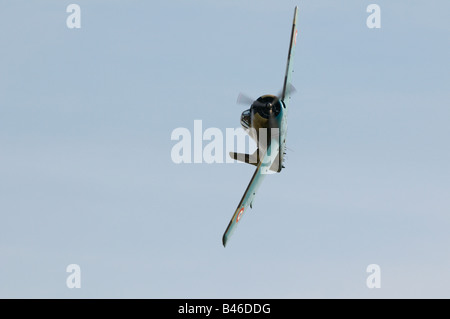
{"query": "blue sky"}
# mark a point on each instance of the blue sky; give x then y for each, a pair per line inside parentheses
(86, 175)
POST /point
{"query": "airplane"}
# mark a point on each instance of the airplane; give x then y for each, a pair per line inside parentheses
(266, 123)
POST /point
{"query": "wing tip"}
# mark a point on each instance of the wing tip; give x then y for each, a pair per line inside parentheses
(224, 241)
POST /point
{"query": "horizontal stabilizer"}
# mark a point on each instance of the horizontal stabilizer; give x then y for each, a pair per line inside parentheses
(254, 160)
(246, 158)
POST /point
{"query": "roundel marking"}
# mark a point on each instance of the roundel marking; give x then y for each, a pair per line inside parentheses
(239, 214)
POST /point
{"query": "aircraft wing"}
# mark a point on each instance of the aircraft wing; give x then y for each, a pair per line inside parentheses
(287, 86)
(262, 169)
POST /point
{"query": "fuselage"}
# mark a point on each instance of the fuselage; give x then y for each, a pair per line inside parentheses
(265, 120)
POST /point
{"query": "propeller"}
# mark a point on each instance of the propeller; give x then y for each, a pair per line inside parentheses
(244, 99)
(290, 89)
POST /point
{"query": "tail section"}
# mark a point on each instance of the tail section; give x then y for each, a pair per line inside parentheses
(253, 159)
(246, 158)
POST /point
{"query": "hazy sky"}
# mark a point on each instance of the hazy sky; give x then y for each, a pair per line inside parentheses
(86, 175)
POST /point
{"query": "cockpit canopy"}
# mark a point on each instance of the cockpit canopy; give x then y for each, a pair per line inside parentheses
(246, 119)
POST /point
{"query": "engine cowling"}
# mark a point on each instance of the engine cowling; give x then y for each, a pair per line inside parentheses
(266, 104)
